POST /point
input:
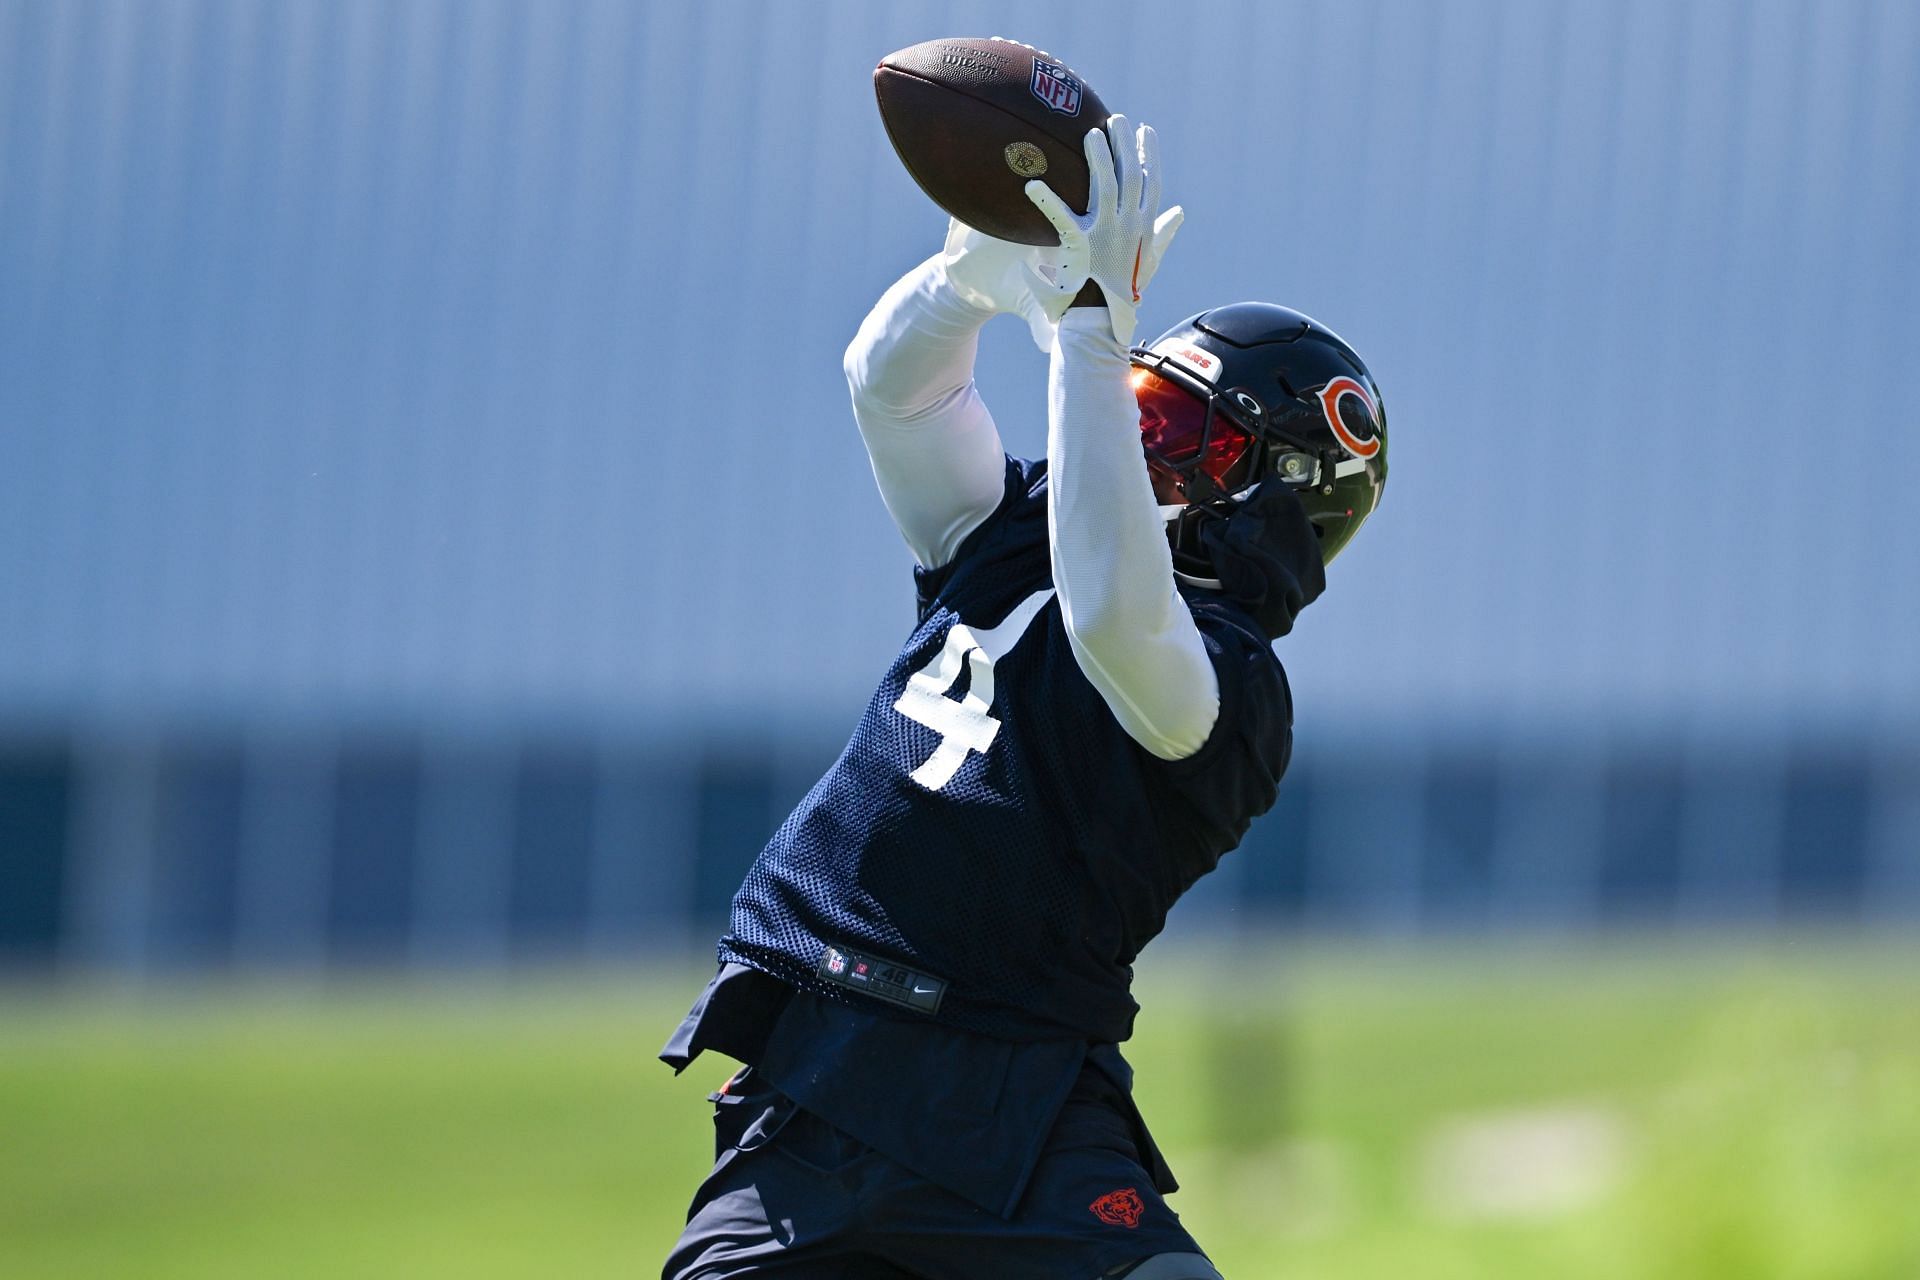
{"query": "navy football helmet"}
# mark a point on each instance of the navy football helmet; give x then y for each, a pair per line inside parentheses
(1242, 394)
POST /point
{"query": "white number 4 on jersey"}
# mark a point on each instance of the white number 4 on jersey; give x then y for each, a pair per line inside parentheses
(964, 724)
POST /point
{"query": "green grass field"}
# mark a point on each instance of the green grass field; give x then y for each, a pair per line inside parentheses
(1342, 1114)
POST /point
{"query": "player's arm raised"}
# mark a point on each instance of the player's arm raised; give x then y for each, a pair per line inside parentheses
(935, 450)
(1132, 634)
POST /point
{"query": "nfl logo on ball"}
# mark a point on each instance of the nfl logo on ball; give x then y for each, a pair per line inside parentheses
(1054, 85)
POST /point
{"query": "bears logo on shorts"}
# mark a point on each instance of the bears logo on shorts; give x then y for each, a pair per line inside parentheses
(1120, 1208)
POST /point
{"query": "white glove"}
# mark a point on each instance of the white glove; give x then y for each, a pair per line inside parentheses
(992, 275)
(1119, 241)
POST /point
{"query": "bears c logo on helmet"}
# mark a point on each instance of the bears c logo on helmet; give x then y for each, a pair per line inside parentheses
(1330, 395)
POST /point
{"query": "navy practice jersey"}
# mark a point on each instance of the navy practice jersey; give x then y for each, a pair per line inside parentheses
(992, 850)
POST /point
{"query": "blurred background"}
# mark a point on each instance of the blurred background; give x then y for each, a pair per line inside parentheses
(435, 551)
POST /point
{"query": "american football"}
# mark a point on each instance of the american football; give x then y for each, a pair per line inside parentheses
(975, 120)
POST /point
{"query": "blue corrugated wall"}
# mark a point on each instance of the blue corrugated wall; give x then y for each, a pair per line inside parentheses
(465, 369)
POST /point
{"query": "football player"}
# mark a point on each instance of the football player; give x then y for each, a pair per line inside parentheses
(927, 969)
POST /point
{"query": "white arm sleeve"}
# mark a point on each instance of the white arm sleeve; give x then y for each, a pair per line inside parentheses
(935, 451)
(1133, 635)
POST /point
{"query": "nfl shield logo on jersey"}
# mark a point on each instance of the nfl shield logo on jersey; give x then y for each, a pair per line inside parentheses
(1054, 85)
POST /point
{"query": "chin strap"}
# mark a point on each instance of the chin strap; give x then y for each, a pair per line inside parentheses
(1267, 556)
(1169, 513)
(1207, 584)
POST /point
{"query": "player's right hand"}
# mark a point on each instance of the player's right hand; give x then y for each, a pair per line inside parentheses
(993, 275)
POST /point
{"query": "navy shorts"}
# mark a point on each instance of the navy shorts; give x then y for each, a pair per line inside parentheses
(792, 1197)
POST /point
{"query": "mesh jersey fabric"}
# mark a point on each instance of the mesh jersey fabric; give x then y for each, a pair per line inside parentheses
(1030, 875)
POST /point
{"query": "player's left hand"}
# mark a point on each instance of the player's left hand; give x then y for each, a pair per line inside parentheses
(992, 275)
(1119, 241)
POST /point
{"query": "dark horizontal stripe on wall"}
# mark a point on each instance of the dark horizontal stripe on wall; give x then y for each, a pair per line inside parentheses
(36, 799)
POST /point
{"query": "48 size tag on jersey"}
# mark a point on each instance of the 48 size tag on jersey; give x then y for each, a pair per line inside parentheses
(882, 979)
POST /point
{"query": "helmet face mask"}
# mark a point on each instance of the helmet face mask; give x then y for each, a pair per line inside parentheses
(1239, 395)
(1204, 450)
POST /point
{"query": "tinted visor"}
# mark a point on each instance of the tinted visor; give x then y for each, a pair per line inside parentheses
(1185, 433)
